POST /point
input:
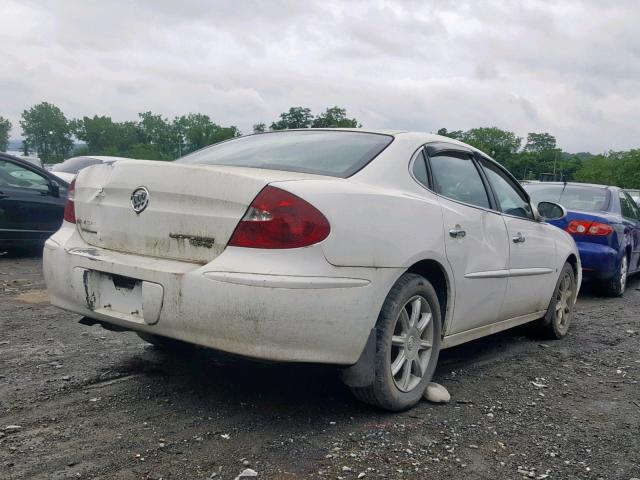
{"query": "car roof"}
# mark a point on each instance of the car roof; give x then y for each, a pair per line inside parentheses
(574, 184)
(379, 131)
(102, 158)
(419, 137)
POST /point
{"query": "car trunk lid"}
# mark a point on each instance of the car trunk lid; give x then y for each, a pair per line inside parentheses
(191, 210)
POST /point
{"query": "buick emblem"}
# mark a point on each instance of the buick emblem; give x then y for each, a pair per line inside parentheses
(139, 199)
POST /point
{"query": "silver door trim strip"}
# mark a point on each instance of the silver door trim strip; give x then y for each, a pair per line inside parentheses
(488, 274)
(468, 335)
(514, 272)
(526, 272)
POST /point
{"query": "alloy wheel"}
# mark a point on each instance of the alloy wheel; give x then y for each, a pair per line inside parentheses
(564, 304)
(623, 274)
(411, 343)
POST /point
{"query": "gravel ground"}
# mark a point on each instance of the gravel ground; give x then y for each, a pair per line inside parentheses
(88, 403)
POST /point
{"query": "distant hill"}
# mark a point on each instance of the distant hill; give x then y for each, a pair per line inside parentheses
(15, 145)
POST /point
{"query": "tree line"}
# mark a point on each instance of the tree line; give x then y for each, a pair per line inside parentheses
(50, 134)
(541, 155)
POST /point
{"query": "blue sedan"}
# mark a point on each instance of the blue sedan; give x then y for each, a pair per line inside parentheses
(605, 223)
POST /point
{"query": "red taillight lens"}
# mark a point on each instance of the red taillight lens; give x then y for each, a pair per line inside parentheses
(585, 227)
(69, 206)
(279, 219)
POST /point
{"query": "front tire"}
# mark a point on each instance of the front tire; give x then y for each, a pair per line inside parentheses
(556, 322)
(407, 345)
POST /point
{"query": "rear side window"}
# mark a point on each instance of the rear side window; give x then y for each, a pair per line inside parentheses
(334, 153)
(420, 169)
(455, 176)
(627, 207)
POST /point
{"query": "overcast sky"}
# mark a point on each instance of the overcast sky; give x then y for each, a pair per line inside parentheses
(570, 68)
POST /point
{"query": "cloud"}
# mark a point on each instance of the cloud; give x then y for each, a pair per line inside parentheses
(569, 68)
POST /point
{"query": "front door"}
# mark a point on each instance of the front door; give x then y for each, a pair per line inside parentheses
(475, 240)
(532, 255)
(631, 220)
(28, 210)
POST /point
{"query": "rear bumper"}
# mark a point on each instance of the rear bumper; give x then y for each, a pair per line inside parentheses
(293, 306)
(598, 261)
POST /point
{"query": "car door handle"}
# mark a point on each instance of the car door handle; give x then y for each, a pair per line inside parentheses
(457, 232)
(519, 238)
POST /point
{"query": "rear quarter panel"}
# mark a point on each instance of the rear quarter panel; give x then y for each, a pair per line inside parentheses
(375, 227)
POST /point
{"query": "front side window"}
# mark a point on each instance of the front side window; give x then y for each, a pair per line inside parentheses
(16, 176)
(455, 176)
(627, 207)
(510, 200)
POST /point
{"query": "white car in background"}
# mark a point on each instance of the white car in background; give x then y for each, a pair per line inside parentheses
(371, 250)
(68, 169)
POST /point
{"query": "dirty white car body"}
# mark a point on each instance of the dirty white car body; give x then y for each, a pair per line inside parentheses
(168, 269)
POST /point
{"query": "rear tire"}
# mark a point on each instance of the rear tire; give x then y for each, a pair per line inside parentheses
(407, 345)
(164, 343)
(555, 324)
(616, 285)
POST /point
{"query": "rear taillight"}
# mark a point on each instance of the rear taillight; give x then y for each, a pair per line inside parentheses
(69, 206)
(279, 219)
(585, 227)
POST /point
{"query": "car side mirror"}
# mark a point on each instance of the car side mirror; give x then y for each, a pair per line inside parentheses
(551, 211)
(54, 189)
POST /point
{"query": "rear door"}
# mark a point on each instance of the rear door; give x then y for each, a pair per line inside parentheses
(631, 220)
(475, 238)
(532, 253)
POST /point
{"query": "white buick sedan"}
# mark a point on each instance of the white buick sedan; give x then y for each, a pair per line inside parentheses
(369, 250)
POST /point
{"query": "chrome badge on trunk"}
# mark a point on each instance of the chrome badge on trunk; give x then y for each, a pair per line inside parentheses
(139, 199)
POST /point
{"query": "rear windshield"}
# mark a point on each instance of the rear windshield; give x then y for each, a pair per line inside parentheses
(74, 165)
(572, 197)
(334, 153)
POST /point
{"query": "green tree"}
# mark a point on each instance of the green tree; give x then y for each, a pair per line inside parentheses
(5, 128)
(161, 134)
(335, 117)
(100, 134)
(129, 134)
(199, 131)
(615, 168)
(540, 142)
(47, 131)
(456, 134)
(259, 128)
(500, 144)
(296, 117)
